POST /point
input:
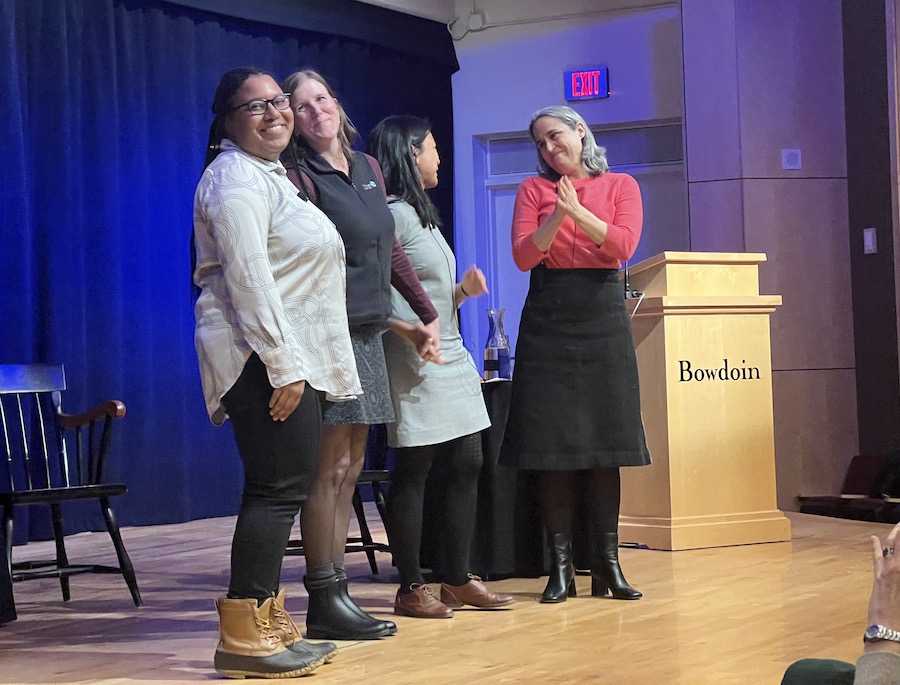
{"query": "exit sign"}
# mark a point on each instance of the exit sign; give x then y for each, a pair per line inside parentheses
(586, 84)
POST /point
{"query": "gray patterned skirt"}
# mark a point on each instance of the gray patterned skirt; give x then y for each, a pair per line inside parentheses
(374, 405)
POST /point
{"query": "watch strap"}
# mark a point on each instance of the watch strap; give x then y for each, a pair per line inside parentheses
(877, 632)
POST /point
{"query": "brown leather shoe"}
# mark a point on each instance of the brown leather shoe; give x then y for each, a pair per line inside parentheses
(420, 603)
(474, 593)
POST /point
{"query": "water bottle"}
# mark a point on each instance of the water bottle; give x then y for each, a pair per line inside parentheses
(496, 349)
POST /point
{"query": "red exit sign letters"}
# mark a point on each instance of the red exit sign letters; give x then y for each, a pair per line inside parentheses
(586, 84)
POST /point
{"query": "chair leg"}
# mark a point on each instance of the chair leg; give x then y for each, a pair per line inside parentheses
(7, 600)
(364, 532)
(380, 502)
(124, 560)
(62, 559)
(8, 530)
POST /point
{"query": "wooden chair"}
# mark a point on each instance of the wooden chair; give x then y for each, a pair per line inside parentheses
(51, 458)
(858, 499)
(375, 475)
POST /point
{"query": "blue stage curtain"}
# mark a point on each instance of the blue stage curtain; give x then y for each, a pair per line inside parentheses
(106, 109)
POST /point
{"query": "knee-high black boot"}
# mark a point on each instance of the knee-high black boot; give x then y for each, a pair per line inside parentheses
(561, 583)
(606, 574)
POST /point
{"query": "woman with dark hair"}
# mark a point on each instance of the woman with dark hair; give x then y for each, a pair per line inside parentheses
(272, 339)
(439, 410)
(575, 412)
(349, 188)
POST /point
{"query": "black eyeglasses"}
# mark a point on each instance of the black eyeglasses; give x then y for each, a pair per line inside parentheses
(260, 105)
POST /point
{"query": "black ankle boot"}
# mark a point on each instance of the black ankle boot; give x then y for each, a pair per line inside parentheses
(606, 574)
(561, 583)
(389, 626)
(329, 618)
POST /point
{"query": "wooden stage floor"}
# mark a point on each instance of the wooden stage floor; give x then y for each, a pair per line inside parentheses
(727, 615)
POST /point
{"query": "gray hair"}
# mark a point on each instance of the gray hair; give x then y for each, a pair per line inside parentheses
(592, 155)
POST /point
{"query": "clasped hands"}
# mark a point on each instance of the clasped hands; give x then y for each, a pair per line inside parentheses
(425, 337)
(567, 202)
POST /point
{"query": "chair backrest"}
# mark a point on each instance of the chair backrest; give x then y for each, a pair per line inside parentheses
(33, 432)
(861, 474)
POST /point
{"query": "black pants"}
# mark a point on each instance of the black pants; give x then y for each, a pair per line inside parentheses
(463, 460)
(279, 459)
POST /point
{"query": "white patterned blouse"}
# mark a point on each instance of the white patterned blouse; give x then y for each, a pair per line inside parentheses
(272, 273)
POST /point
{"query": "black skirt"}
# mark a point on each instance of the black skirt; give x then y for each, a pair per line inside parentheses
(575, 397)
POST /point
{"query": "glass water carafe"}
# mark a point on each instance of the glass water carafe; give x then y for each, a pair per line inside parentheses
(496, 349)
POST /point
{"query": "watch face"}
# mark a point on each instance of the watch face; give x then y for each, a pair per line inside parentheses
(872, 632)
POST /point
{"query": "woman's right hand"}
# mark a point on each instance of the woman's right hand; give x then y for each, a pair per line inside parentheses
(285, 400)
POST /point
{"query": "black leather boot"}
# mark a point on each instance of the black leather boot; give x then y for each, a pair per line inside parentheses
(329, 618)
(606, 574)
(561, 583)
(390, 626)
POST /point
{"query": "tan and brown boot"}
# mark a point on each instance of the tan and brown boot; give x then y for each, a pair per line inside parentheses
(285, 628)
(249, 646)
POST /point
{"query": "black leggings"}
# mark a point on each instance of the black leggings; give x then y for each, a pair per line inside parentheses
(279, 458)
(463, 460)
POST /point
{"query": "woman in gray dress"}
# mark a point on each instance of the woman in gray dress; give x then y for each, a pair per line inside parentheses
(439, 409)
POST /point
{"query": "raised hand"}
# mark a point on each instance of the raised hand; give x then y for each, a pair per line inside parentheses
(473, 282)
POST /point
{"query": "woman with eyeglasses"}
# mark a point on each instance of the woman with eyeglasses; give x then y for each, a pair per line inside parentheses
(349, 188)
(272, 340)
(440, 409)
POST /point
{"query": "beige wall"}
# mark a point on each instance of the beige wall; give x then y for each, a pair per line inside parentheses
(761, 76)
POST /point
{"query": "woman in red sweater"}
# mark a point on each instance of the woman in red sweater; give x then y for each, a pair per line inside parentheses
(575, 414)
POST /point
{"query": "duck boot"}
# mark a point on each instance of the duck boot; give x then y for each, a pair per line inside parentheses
(287, 630)
(250, 648)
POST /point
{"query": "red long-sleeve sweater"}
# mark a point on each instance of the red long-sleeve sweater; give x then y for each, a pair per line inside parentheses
(614, 198)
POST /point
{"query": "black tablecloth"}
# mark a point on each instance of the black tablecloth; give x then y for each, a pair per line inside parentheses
(507, 540)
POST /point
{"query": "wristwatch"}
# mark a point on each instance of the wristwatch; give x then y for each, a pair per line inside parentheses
(878, 632)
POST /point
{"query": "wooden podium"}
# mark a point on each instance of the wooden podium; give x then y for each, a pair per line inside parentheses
(703, 348)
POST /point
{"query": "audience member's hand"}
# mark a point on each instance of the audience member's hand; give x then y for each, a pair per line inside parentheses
(474, 282)
(285, 400)
(884, 603)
